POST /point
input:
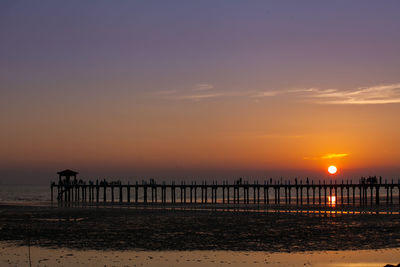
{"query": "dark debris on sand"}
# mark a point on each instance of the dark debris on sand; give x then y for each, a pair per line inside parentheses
(161, 229)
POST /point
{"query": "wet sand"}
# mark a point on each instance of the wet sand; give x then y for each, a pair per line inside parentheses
(118, 228)
(11, 255)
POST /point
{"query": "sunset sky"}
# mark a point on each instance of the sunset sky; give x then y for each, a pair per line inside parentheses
(131, 89)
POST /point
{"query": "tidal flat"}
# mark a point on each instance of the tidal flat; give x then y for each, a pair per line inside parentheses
(159, 229)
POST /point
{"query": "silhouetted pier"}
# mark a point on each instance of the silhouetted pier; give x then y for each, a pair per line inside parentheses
(367, 192)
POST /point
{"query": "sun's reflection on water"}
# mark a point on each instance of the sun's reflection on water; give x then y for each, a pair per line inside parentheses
(332, 201)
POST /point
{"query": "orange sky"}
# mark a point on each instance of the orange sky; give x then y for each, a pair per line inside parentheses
(243, 135)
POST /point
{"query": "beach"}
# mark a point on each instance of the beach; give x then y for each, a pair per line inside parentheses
(156, 228)
(153, 228)
(11, 255)
(121, 232)
(154, 236)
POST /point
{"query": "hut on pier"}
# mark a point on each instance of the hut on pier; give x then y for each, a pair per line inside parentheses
(67, 174)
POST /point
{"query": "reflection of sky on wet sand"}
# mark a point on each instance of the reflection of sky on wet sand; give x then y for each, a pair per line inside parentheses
(11, 256)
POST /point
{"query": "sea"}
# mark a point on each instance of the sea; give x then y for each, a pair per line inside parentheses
(25, 193)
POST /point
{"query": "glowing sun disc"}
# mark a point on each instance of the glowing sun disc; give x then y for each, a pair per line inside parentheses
(332, 169)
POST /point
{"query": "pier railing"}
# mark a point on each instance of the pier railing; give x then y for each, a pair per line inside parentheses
(268, 192)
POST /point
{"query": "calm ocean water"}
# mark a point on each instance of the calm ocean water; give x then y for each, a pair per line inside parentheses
(24, 193)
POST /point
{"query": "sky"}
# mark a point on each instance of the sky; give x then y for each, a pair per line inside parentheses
(199, 89)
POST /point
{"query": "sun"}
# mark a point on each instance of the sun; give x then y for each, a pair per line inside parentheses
(332, 169)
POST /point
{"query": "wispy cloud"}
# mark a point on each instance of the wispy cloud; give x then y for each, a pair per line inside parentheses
(379, 94)
(198, 92)
(266, 94)
(203, 87)
(198, 97)
(333, 156)
(328, 156)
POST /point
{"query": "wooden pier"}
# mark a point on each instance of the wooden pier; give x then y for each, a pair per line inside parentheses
(240, 192)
